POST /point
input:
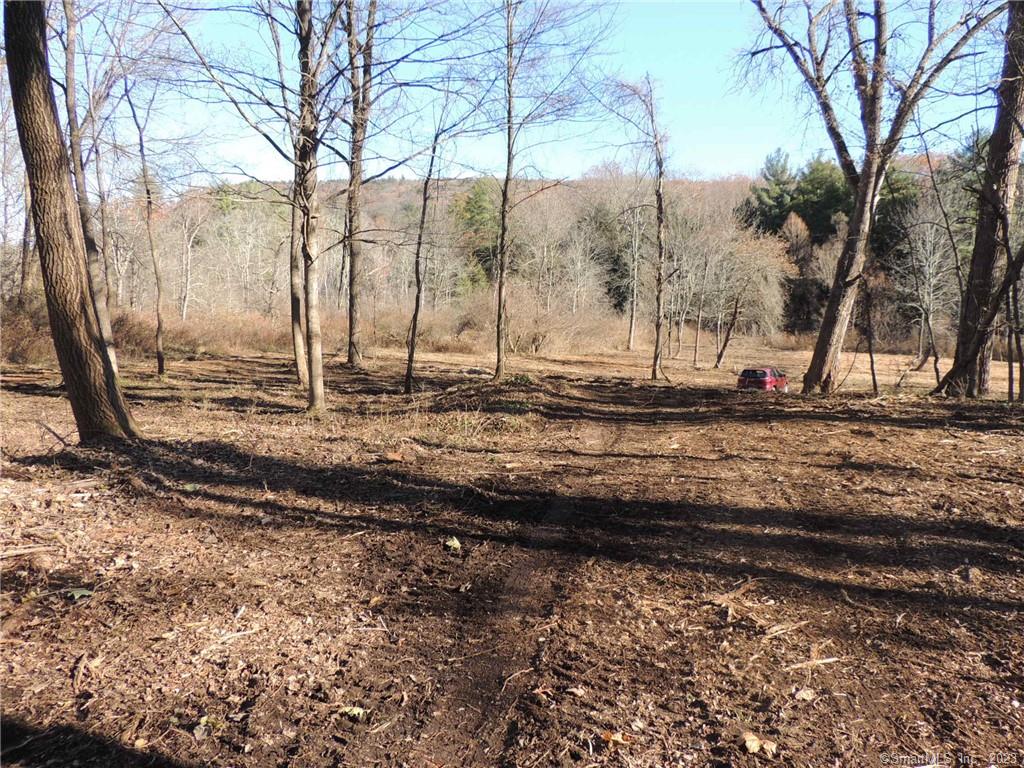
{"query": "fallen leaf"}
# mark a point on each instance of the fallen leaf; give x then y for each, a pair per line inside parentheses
(616, 739)
(755, 744)
(576, 691)
(543, 693)
(394, 457)
(356, 714)
(452, 544)
(77, 593)
(751, 742)
(805, 694)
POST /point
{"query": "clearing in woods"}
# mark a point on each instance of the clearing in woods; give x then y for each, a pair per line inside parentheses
(575, 568)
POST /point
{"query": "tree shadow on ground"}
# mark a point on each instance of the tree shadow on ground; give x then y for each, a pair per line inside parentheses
(810, 549)
(629, 402)
(31, 746)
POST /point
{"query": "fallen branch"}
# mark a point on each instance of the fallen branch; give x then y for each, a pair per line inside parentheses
(514, 675)
(811, 663)
(16, 551)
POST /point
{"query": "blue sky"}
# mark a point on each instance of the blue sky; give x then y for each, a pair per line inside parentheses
(717, 124)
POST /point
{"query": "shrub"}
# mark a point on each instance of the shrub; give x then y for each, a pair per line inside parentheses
(25, 335)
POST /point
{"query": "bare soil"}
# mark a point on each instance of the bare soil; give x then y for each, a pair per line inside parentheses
(574, 568)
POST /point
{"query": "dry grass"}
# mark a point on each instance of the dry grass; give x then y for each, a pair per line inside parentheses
(466, 334)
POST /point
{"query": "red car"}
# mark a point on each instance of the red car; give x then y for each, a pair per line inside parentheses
(765, 379)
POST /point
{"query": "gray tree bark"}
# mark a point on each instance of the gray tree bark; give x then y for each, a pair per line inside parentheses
(308, 197)
(501, 317)
(148, 191)
(296, 287)
(97, 278)
(361, 88)
(995, 202)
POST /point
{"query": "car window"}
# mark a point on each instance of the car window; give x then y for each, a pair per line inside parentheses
(750, 373)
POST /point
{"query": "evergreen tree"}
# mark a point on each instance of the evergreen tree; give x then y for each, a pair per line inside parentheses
(477, 217)
(605, 228)
(771, 199)
(821, 192)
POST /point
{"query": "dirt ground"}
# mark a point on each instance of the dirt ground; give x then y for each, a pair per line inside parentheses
(576, 568)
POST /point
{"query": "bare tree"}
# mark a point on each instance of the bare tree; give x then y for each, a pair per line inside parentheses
(94, 391)
(192, 212)
(701, 295)
(751, 272)
(97, 278)
(360, 78)
(418, 260)
(148, 191)
(635, 225)
(926, 281)
(808, 35)
(311, 64)
(262, 99)
(995, 203)
(449, 124)
(543, 49)
(635, 103)
(645, 121)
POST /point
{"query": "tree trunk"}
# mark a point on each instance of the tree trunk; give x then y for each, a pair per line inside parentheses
(99, 408)
(634, 270)
(295, 280)
(418, 263)
(501, 320)
(923, 352)
(361, 85)
(186, 274)
(101, 191)
(995, 203)
(700, 313)
(1018, 331)
(869, 312)
(659, 275)
(1009, 349)
(824, 367)
(934, 351)
(342, 298)
(728, 332)
(147, 186)
(97, 281)
(309, 200)
(25, 284)
(1014, 269)
(355, 273)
